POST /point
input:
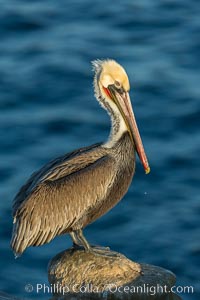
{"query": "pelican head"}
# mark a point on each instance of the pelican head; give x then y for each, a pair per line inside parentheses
(112, 87)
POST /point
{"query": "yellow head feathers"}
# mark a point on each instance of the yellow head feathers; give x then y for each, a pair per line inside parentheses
(111, 73)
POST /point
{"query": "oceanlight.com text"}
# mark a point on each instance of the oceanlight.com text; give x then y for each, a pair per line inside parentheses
(42, 288)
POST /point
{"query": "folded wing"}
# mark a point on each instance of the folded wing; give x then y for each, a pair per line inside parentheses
(56, 200)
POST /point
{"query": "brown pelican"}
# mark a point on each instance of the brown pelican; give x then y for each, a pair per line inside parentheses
(75, 189)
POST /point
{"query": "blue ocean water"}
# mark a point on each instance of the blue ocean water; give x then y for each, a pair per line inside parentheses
(47, 108)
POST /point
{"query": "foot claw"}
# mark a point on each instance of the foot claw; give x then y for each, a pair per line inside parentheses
(104, 251)
(100, 248)
(97, 250)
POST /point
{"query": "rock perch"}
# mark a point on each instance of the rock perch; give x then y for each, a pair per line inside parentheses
(77, 274)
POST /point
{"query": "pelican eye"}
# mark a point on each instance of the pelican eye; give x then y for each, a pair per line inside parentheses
(118, 87)
(117, 84)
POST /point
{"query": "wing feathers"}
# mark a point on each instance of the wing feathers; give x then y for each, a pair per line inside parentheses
(60, 201)
(49, 169)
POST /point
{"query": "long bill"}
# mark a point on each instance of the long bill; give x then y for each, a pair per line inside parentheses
(123, 103)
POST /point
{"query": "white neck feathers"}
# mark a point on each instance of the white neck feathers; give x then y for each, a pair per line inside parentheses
(118, 126)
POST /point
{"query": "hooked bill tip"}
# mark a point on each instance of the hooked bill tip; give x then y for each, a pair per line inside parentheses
(147, 171)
